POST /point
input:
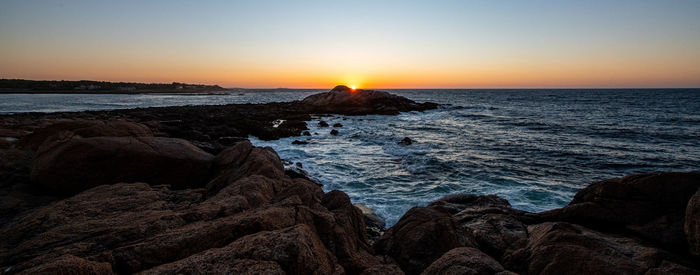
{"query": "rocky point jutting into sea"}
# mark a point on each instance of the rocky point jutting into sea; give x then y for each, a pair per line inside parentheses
(181, 190)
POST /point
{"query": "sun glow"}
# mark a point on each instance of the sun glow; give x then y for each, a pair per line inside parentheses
(353, 88)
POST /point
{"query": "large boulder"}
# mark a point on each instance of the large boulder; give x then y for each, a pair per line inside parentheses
(496, 227)
(60, 129)
(77, 164)
(343, 100)
(420, 237)
(464, 260)
(650, 205)
(692, 224)
(564, 248)
(243, 160)
(294, 250)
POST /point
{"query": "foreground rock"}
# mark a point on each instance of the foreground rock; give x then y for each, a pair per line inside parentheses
(652, 206)
(692, 224)
(253, 218)
(469, 234)
(80, 163)
(420, 237)
(136, 194)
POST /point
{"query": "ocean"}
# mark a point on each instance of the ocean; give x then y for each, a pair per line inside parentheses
(535, 148)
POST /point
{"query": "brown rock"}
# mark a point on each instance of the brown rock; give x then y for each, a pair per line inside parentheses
(385, 269)
(80, 163)
(85, 128)
(497, 228)
(420, 237)
(93, 222)
(243, 160)
(69, 264)
(650, 205)
(177, 243)
(464, 260)
(297, 250)
(344, 232)
(217, 261)
(563, 248)
(692, 224)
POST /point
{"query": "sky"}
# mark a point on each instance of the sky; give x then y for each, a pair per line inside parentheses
(369, 44)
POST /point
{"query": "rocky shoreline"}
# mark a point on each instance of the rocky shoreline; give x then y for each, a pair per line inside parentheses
(181, 190)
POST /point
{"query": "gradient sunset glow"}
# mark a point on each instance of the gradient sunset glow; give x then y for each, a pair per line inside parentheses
(367, 44)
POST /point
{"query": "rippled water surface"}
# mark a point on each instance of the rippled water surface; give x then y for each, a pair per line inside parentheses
(535, 148)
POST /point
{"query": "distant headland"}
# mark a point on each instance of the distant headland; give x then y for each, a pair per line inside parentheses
(100, 87)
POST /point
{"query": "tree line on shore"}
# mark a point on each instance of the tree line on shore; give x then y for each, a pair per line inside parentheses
(62, 85)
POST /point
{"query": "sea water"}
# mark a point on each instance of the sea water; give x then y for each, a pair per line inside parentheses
(535, 148)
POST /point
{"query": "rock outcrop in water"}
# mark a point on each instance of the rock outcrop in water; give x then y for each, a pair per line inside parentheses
(134, 191)
(343, 100)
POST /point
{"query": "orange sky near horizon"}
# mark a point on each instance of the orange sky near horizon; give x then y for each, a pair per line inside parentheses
(446, 44)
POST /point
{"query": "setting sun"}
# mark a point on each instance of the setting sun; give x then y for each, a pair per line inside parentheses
(353, 88)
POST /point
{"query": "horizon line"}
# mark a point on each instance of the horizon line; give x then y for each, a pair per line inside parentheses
(380, 88)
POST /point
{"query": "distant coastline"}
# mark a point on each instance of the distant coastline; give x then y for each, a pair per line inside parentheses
(23, 86)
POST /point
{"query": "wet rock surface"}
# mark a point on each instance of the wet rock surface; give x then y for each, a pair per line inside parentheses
(405, 141)
(180, 190)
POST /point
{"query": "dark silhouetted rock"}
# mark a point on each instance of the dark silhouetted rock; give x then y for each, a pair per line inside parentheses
(322, 124)
(80, 163)
(343, 100)
(306, 133)
(334, 132)
(406, 141)
(692, 224)
(337, 125)
(420, 237)
(300, 142)
(464, 260)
